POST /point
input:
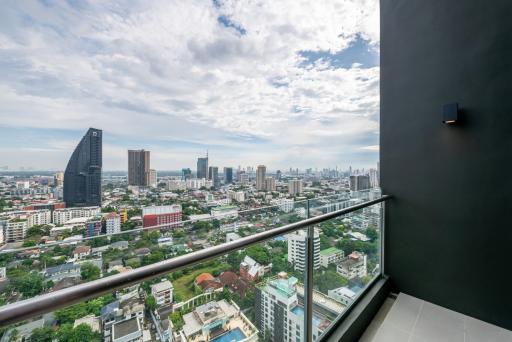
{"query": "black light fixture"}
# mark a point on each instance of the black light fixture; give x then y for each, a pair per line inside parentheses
(450, 113)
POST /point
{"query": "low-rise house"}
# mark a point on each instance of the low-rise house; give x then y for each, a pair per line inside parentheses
(129, 307)
(162, 292)
(331, 255)
(81, 252)
(69, 270)
(119, 245)
(203, 277)
(126, 331)
(252, 270)
(352, 266)
(142, 251)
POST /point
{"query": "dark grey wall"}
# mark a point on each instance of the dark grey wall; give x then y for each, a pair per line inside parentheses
(449, 226)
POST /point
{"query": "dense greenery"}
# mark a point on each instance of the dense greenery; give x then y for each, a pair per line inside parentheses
(89, 271)
(71, 313)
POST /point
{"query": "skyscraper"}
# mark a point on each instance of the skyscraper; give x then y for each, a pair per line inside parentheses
(213, 175)
(186, 173)
(82, 178)
(260, 177)
(138, 167)
(202, 167)
(228, 175)
(361, 182)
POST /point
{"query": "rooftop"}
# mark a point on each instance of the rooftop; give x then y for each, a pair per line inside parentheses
(125, 328)
(329, 251)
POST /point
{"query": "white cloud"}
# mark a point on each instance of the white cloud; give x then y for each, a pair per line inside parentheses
(163, 70)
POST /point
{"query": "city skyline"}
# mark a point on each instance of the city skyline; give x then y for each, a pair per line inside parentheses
(152, 77)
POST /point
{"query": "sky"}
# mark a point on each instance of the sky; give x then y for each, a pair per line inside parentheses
(284, 83)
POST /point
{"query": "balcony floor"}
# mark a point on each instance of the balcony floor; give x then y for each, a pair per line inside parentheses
(409, 319)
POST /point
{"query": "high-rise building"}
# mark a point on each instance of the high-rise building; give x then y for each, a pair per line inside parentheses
(152, 178)
(228, 175)
(186, 173)
(138, 167)
(360, 182)
(202, 167)
(279, 314)
(297, 249)
(260, 177)
(278, 174)
(82, 178)
(59, 179)
(270, 184)
(213, 175)
(294, 186)
(374, 178)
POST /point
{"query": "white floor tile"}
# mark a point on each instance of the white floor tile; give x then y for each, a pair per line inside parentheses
(390, 333)
(413, 320)
(404, 312)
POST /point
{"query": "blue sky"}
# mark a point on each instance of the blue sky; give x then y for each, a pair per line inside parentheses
(285, 84)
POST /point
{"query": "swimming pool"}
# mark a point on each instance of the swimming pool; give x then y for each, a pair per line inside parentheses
(299, 311)
(232, 335)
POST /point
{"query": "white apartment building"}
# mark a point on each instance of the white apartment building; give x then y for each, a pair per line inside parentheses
(61, 216)
(238, 196)
(285, 204)
(112, 223)
(162, 292)
(297, 249)
(353, 266)
(198, 183)
(331, 256)
(16, 230)
(176, 184)
(39, 217)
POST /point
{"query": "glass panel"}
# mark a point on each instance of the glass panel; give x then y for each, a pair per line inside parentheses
(347, 259)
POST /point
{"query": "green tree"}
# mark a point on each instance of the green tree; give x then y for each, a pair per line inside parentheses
(43, 334)
(29, 243)
(89, 271)
(80, 333)
(372, 234)
(29, 284)
(329, 280)
(15, 334)
(259, 253)
(151, 303)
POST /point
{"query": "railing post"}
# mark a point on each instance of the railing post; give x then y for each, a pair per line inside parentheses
(308, 282)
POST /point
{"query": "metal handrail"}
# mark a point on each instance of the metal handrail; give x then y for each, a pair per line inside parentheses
(16, 312)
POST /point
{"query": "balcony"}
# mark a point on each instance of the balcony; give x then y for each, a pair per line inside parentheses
(247, 289)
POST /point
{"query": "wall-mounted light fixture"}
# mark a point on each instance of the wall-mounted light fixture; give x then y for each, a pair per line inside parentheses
(450, 113)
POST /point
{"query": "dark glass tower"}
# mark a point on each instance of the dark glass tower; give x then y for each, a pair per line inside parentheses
(82, 179)
(202, 167)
